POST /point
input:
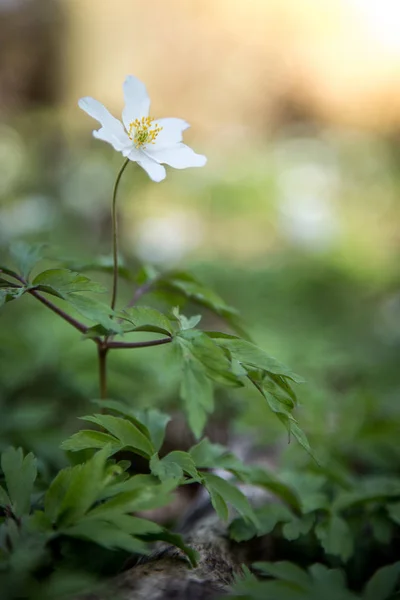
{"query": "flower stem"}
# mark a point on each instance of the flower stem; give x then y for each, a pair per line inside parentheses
(102, 354)
(115, 235)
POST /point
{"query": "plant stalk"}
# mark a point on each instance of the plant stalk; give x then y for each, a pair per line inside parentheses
(102, 354)
(115, 235)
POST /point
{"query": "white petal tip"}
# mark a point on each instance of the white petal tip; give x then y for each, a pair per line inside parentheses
(201, 160)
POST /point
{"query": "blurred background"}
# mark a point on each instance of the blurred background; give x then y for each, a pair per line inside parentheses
(294, 220)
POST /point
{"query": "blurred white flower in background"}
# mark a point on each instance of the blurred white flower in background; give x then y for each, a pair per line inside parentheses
(140, 138)
(166, 240)
(308, 178)
(30, 214)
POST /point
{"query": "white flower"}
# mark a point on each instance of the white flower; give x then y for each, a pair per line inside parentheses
(140, 138)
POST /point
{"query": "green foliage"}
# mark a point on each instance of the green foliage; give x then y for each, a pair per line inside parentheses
(144, 318)
(25, 257)
(20, 475)
(286, 581)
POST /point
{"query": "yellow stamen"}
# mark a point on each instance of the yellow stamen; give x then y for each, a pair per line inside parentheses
(143, 131)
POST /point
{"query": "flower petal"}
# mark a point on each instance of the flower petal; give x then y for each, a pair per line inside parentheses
(171, 132)
(137, 101)
(178, 156)
(155, 171)
(112, 130)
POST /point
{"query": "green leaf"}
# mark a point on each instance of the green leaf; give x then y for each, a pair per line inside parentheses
(196, 345)
(295, 431)
(206, 455)
(86, 438)
(7, 294)
(249, 354)
(127, 411)
(335, 537)
(192, 289)
(75, 490)
(20, 475)
(4, 498)
(125, 431)
(197, 393)
(56, 493)
(383, 583)
(61, 282)
(155, 422)
(144, 318)
(270, 482)
(184, 322)
(94, 310)
(202, 360)
(229, 493)
(105, 534)
(173, 465)
(382, 528)
(135, 525)
(141, 497)
(268, 517)
(104, 264)
(26, 256)
(219, 504)
(293, 529)
(284, 570)
(165, 469)
(176, 540)
(394, 512)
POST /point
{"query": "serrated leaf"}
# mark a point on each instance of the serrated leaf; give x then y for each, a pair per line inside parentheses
(56, 493)
(192, 289)
(335, 537)
(135, 525)
(207, 455)
(141, 497)
(61, 282)
(185, 322)
(127, 411)
(7, 294)
(272, 483)
(284, 570)
(125, 431)
(297, 433)
(26, 256)
(165, 469)
(173, 465)
(20, 475)
(383, 583)
(249, 354)
(107, 535)
(72, 495)
(196, 345)
(104, 264)
(94, 311)
(86, 438)
(293, 529)
(197, 393)
(268, 517)
(155, 422)
(231, 494)
(144, 318)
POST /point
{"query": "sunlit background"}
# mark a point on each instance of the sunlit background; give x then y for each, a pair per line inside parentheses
(294, 220)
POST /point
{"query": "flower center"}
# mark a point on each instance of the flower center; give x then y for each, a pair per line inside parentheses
(143, 131)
